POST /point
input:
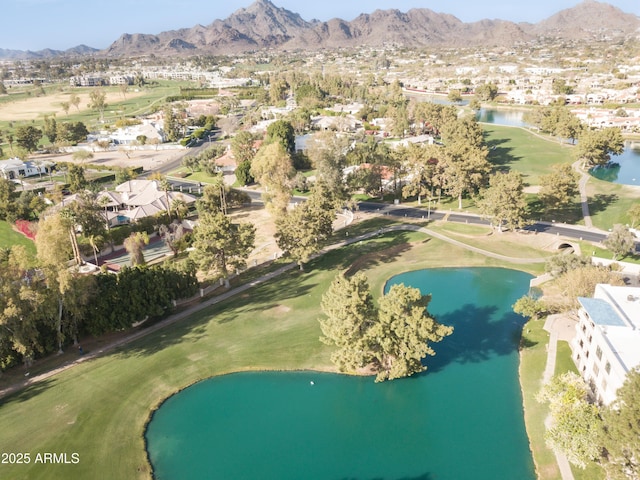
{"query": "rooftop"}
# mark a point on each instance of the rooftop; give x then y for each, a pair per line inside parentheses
(601, 312)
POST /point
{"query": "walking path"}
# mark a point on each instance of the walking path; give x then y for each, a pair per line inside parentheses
(561, 328)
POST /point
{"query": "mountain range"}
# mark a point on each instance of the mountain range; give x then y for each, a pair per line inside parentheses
(263, 25)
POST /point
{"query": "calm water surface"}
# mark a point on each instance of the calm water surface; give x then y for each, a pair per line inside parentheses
(510, 118)
(461, 420)
(628, 170)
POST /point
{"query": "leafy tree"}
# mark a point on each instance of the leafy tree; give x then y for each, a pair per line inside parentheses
(220, 244)
(399, 337)
(327, 152)
(433, 117)
(8, 207)
(581, 282)
(454, 96)
(123, 174)
(82, 155)
(242, 146)
(277, 90)
(465, 158)
(65, 107)
(53, 251)
(634, 214)
(504, 200)
(300, 119)
(50, 128)
(27, 137)
(77, 181)
(620, 241)
(621, 430)
(308, 96)
(172, 127)
(88, 214)
(192, 163)
(301, 232)
(486, 92)
(399, 120)
(23, 307)
(559, 87)
(529, 307)
(596, 146)
(557, 121)
(71, 132)
(465, 169)
(559, 188)
(272, 168)
(134, 244)
(392, 339)
(560, 264)
(243, 173)
(281, 131)
(474, 104)
(173, 236)
(213, 198)
(350, 315)
(75, 101)
(575, 422)
(97, 101)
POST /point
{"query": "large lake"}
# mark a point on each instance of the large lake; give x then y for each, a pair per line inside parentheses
(460, 420)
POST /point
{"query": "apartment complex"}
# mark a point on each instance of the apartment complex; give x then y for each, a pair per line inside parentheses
(607, 342)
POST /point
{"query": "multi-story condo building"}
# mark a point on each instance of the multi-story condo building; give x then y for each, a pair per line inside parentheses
(607, 342)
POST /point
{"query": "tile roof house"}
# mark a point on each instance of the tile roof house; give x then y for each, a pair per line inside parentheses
(133, 200)
(142, 198)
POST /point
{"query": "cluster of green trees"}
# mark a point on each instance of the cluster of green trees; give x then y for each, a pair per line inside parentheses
(585, 432)
(24, 205)
(594, 147)
(391, 340)
(25, 139)
(205, 160)
(48, 305)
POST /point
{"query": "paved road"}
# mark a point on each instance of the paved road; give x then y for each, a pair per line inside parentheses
(570, 231)
(177, 163)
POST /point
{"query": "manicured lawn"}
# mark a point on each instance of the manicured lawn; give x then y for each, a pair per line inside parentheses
(533, 357)
(99, 408)
(9, 237)
(524, 152)
(610, 202)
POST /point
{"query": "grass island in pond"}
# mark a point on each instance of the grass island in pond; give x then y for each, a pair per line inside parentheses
(462, 419)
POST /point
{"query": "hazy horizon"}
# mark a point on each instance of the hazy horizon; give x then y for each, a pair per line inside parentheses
(63, 24)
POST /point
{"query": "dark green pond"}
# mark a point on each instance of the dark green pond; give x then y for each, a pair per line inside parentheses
(460, 420)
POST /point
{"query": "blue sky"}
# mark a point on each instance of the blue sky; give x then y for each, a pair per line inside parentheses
(62, 24)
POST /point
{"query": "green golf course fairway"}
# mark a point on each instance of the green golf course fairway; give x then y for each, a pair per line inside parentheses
(99, 408)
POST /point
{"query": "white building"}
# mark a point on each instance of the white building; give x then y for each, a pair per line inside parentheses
(14, 168)
(607, 344)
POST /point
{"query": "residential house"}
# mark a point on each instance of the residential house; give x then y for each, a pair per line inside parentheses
(14, 168)
(133, 200)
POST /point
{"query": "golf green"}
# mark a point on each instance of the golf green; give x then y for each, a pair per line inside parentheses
(462, 419)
